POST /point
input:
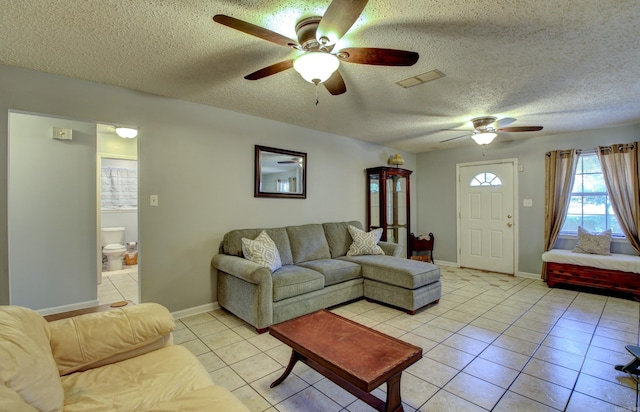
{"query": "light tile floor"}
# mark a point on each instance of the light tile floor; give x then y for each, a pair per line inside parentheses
(119, 285)
(493, 343)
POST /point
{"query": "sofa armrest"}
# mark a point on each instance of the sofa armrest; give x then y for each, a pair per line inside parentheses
(95, 339)
(242, 268)
(391, 249)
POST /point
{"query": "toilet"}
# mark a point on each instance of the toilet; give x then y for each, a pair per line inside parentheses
(112, 239)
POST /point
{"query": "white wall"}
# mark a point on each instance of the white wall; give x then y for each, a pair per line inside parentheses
(52, 213)
(436, 191)
(199, 161)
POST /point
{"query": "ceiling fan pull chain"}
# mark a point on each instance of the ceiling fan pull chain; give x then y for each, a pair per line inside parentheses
(317, 100)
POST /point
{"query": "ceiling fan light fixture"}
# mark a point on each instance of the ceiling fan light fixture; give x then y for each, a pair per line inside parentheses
(483, 138)
(316, 66)
(126, 132)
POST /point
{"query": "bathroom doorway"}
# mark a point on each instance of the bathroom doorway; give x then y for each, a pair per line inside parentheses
(117, 216)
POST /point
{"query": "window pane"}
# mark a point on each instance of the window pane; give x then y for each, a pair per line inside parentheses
(594, 205)
(594, 183)
(571, 223)
(577, 184)
(590, 164)
(589, 197)
(575, 205)
(594, 223)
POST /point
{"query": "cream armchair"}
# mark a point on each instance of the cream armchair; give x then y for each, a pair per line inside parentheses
(119, 360)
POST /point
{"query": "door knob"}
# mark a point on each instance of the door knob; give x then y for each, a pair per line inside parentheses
(508, 216)
(509, 224)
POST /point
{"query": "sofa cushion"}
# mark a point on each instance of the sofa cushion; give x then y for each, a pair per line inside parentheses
(365, 243)
(232, 242)
(338, 236)
(308, 243)
(26, 363)
(83, 341)
(262, 250)
(167, 379)
(292, 280)
(334, 270)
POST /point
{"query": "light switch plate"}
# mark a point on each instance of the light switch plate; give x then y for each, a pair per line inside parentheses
(527, 202)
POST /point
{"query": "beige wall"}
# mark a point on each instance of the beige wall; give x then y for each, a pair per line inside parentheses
(199, 161)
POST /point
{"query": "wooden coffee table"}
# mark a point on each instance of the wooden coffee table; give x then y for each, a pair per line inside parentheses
(357, 358)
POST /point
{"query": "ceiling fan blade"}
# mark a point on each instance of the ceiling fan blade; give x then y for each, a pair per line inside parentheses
(338, 19)
(505, 121)
(454, 138)
(269, 70)
(380, 57)
(520, 129)
(335, 84)
(254, 30)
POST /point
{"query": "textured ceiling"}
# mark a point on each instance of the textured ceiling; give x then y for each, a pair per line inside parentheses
(566, 65)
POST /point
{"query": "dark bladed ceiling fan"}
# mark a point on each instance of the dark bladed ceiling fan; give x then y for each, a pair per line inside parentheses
(317, 37)
(485, 129)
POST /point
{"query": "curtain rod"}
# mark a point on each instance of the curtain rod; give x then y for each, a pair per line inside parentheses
(608, 148)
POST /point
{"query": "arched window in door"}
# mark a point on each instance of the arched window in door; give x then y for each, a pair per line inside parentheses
(485, 179)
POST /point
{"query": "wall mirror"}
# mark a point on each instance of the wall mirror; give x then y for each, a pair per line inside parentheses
(280, 173)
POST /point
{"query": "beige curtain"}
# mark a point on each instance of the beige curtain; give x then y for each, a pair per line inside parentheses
(620, 171)
(560, 168)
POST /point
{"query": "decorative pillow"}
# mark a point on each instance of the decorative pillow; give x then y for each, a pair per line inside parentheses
(594, 243)
(364, 243)
(263, 251)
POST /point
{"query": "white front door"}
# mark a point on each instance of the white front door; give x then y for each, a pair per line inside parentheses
(486, 216)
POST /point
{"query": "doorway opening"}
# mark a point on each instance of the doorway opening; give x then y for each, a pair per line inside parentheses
(117, 216)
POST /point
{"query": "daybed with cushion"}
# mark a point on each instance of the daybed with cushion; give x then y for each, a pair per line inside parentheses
(322, 266)
(119, 360)
(591, 264)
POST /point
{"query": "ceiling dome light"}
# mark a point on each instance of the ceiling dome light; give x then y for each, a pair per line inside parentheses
(126, 132)
(316, 66)
(483, 138)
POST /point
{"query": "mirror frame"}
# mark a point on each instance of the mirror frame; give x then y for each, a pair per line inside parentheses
(259, 167)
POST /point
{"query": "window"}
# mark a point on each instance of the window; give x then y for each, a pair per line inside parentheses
(589, 206)
(485, 179)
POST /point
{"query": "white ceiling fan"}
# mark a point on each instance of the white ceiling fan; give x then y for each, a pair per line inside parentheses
(486, 128)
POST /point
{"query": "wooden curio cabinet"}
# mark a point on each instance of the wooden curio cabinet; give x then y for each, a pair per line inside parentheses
(388, 204)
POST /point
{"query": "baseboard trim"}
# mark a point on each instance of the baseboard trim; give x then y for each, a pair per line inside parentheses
(445, 263)
(67, 308)
(528, 275)
(196, 310)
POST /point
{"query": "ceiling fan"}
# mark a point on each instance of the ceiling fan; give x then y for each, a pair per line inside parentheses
(317, 37)
(485, 129)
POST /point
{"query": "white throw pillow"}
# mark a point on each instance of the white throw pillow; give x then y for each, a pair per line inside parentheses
(594, 243)
(364, 243)
(263, 251)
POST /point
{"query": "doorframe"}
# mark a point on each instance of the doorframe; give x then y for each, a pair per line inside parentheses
(516, 208)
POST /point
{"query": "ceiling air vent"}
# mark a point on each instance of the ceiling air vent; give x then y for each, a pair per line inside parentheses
(420, 78)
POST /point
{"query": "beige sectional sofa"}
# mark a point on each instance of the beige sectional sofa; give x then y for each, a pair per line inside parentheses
(316, 273)
(119, 360)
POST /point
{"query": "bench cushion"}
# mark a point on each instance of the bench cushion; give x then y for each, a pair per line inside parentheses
(334, 270)
(615, 261)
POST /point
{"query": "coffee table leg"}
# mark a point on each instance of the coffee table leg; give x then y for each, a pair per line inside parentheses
(394, 403)
(295, 357)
